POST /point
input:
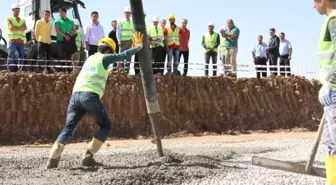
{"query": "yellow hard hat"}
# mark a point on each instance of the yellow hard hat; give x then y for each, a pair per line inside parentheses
(108, 42)
(171, 16)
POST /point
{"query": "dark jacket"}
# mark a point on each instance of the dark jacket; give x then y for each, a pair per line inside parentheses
(113, 36)
(273, 44)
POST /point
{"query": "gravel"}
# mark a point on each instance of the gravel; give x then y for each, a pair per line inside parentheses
(204, 161)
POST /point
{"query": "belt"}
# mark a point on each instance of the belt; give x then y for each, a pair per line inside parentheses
(261, 57)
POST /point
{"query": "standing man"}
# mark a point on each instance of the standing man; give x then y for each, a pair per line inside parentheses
(222, 50)
(210, 42)
(65, 29)
(273, 52)
(87, 92)
(184, 48)
(16, 28)
(113, 35)
(285, 51)
(93, 33)
(327, 76)
(75, 58)
(164, 49)
(259, 57)
(42, 33)
(173, 37)
(125, 30)
(155, 35)
(231, 41)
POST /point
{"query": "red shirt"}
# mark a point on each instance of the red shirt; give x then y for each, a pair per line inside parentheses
(165, 32)
(185, 40)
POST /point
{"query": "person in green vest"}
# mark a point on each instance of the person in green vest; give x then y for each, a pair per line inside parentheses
(87, 92)
(16, 28)
(136, 56)
(210, 42)
(327, 76)
(79, 45)
(222, 50)
(155, 35)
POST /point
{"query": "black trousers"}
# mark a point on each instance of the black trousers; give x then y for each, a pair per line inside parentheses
(93, 49)
(114, 65)
(284, 66)
(211, 55)
(157, 58)
(43, 53)
(136, 64)
(261, 70)
(64, 50)
(273, 61)
(185, 55)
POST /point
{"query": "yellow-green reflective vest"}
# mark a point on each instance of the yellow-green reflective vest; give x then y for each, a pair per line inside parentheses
(127, 30)
(79, 40)
(325, 51)
(173, 37)
(155, 34)
(16, 34)
(210, 40)
(222, 47)
(93, 76)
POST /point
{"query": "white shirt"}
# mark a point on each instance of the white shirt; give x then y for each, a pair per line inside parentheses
(284, 47)
(259, 50)
(93, 33)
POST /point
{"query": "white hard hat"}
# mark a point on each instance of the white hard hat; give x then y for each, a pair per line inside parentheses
(76, 22)
(128, 9)
(156, 18)
(15, 5)
(223, 28)
(211, 24)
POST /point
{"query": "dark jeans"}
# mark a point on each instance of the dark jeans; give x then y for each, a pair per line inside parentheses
(12, 47)
(213, 56)
(261, 70)
(80, 104)
(158, 65)
(93, 49)
(285, 66)
(186, 60)
(164, 56)
(64, 53)
(273, 61)
(44, 54)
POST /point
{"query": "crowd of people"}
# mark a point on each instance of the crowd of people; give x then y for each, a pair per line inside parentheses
(168, 44)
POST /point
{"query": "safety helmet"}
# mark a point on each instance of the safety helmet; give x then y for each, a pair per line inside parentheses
(106, 41)
(76, 22)
(156, 18)
(128, 9)
(211, 24)
(15, 5)
(223, 28)
(171, 16)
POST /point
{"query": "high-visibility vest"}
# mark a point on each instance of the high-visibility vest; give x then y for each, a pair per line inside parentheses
(222, 46)
(79, 40)
(155, 35)
(127, 30)
(210, 40)
(93, 76)
(16, 34)
(325, 50)
(173, 37)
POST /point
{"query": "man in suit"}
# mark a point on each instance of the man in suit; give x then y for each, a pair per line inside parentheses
(273, 52)
(113, 36)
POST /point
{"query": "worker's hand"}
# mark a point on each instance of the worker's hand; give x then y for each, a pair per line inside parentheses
(289, 58)
(138, 38)
(119, 43)
(326, 94)
(67, 37)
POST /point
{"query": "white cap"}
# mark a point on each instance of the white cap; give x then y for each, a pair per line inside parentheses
(156, 18)
(76, 21)
(211, 24)
(128, 9)
(15, 5)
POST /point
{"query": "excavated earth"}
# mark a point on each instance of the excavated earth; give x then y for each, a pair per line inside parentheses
(33, 106)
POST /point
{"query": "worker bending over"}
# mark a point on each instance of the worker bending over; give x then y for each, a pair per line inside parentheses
(327, 76)
(87, 92)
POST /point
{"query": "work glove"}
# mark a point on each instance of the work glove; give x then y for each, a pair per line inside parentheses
(326, 94)
(138, 38)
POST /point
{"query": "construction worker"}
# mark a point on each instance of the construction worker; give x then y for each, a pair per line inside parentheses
(222, 50)
(125, 30)
(173, 39)
(87, 92)
(16, 28)
(75, 58)
(327, 76)
(163, 23)
(210, 42)
(136, 56)
(155, 35)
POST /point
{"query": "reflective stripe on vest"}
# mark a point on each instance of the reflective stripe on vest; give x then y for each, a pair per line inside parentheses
(93, 76)
(79, 40)
(127, 30)
(222, 47)
(173, 37)
(325, 51)
(16, 34)
(155, 35)
(210, 40)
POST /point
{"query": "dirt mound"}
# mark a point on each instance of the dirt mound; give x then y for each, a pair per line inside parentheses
(33, 106)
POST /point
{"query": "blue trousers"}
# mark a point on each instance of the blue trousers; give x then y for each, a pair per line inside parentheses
(80, 104)
(12, 47)
(173, 55)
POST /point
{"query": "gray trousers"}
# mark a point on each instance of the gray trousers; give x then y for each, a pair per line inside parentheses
(125, 45)
(329, 130)
(210, 55)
